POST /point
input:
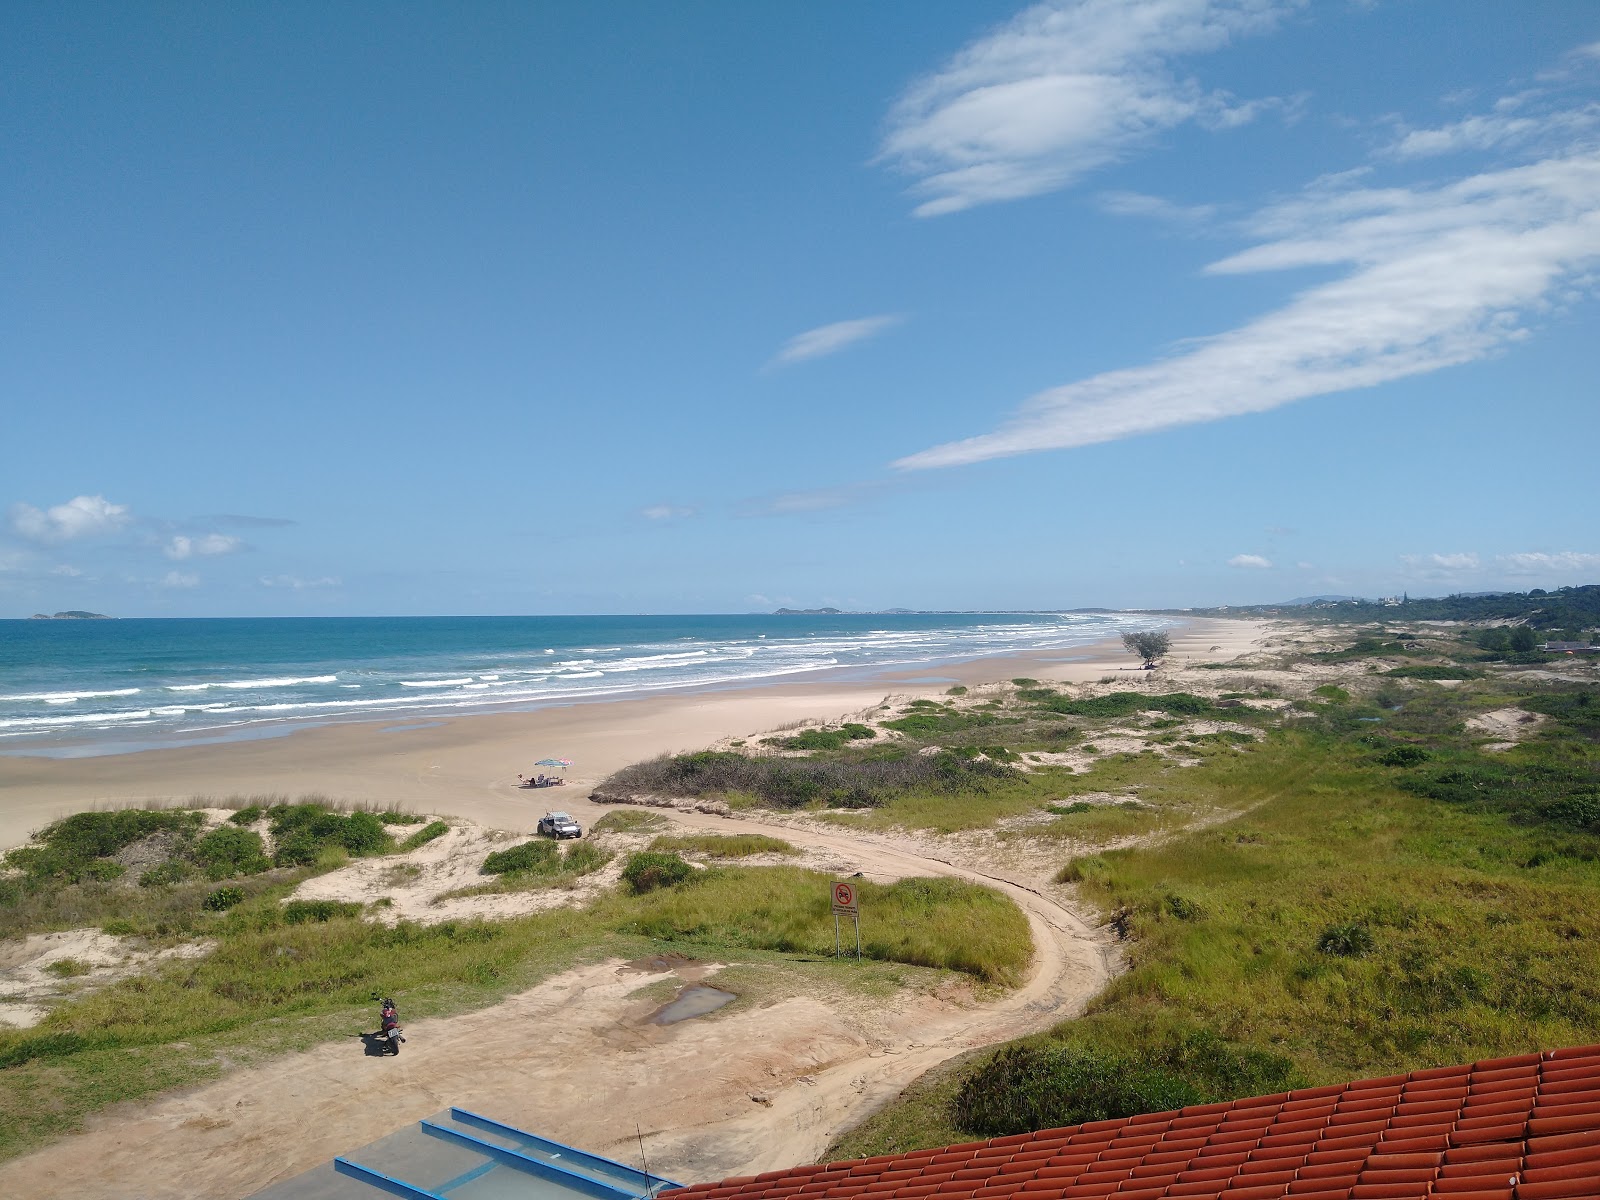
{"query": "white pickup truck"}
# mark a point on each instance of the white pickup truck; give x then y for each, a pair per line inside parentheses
(559, 825)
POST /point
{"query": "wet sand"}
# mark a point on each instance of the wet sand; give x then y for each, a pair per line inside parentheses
(468, 766)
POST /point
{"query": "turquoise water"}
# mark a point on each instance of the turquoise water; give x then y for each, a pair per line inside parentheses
(86, 683)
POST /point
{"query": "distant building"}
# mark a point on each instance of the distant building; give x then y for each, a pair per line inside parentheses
(1569, 648)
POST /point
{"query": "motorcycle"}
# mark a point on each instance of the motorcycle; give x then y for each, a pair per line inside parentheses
(390, 1035)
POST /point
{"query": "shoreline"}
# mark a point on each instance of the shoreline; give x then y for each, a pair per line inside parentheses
(468, 765)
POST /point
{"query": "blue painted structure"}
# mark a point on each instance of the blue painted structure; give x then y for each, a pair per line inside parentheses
(463, 1155)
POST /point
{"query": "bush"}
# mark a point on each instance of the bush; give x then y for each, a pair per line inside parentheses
(303, 830)
(248, 815)
(304, 912)
(1333, 693)
(1029, 1085)
(223, 899)
(1432, 672)
(537, 856)
(70, 847)
(1350, 940)
(648, 870)
(174, 870)
(229, 850)
(1404, 756)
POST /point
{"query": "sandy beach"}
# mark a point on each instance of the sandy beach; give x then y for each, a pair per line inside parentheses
(468, 766)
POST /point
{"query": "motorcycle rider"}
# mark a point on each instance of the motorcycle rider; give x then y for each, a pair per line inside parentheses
(389, 1025)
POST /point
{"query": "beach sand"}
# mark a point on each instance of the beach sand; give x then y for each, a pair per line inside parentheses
(468, 766)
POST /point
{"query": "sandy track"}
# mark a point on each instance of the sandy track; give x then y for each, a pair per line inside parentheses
(574, 1059)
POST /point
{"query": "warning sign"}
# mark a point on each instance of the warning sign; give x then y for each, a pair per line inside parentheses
(845, 901)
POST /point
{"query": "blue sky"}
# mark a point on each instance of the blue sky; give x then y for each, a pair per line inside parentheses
(707, 307)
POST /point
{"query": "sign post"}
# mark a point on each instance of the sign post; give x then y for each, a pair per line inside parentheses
(846, 903)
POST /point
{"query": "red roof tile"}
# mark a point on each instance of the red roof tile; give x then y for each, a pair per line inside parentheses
(1525, 1127)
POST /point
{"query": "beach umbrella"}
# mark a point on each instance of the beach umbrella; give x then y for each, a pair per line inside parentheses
(553, 762)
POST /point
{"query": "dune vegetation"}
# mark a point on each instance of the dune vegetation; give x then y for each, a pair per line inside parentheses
(1394, 896)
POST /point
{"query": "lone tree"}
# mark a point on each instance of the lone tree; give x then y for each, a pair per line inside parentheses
(1148, 646)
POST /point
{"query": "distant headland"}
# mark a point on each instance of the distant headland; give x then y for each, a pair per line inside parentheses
(72, 614)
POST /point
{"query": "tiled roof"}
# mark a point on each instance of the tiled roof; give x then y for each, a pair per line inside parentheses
(1522, 1128)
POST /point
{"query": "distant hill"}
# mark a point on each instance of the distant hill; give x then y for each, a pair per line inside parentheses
(808, 612)
(1563, 608)
(71, 614)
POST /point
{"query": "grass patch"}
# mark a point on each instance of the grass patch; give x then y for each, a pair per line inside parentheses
(433, 829)
(723, 845)
(628, 820)
(1361, 918)
(942, 923)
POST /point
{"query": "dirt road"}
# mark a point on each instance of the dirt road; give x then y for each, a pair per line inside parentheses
(575, 1059)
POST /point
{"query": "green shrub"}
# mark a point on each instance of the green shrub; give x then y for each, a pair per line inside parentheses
(174, 870)
(119, 927)
(390, 817)
(958, 690)
(1433, 672)
(67, 968)
(433, 829)
(305, 912)
(1041, 1085)
(248, 815)
(1404, 756)
(648, 870)
(229, 850)
(223, 899)
(69, 849)
(581, 858)
(1333, 693)
(1350, 940)
(537, 856)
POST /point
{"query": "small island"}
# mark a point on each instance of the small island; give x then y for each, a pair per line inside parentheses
(72, 614)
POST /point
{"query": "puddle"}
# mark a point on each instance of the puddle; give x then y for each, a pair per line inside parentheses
(694, 1001)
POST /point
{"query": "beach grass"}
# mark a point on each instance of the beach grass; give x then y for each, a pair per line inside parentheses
(271, 986)
(1347, 923)
(722, 845)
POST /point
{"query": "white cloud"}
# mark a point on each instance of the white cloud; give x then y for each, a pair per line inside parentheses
(1538, 562)
(1254, 561)
(665, 512)
(1137, 204)
(82, 516)
(1487, 131)
(830, 339)
(295, 583)
(1061, 89)
(66, 570)
(1443, 566)
(205, 546)
(180, 579)
(1439, 276)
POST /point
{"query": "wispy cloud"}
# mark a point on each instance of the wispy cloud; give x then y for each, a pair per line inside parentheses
(1465, 561)
(666, 512)
(1137, 204)
(1062, 89)
(295, 583)
(830, 339)
(1253, 561)
(80, 517)
(204, 546)
(1540, 563)
(180, 579)
(241, 520)
(1438, 276)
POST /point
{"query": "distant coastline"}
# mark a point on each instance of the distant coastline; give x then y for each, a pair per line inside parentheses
(71, 614)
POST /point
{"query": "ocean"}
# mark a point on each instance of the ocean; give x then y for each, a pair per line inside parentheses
(108, 686)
